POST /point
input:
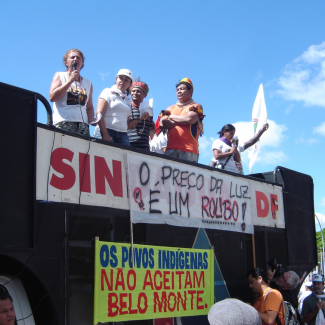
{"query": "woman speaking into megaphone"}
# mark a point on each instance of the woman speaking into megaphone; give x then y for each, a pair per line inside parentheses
(226, 150)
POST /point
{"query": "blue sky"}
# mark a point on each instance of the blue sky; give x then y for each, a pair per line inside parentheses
(227, 48)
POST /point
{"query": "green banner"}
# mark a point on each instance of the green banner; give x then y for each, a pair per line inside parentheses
(161, 282)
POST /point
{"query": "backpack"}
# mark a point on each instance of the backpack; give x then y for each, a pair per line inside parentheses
(289, 314)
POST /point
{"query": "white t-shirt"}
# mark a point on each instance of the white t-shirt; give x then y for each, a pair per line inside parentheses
(231, 165)
(118, 109)
(72, 106)
(158, 143)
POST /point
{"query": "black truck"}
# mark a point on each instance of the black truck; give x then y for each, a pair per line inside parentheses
(47, 238)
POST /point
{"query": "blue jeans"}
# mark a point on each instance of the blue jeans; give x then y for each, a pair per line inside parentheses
(119, 137)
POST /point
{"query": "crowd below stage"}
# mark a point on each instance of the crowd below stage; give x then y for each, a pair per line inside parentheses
(274, 301)
(120, 118)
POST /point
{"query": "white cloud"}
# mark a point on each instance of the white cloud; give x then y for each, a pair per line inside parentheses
(320, 219)
(205, 146)
(103, 75)
(288, 109)
(266, 157)
(308, 141)
(258, 76)
(320, 129)
(271, 157)
(304, 78)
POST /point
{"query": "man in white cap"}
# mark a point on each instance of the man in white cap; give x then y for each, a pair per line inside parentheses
(315, 302)
(233, 312)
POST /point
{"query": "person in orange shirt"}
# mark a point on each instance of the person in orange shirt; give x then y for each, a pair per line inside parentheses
(184, 123)
(269, 303)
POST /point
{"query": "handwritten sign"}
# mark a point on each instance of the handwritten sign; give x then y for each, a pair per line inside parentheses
(163, 191)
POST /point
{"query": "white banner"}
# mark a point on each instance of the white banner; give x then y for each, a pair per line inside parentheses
(268, 208)
(181, 195)
(98, 178)
(161, 191)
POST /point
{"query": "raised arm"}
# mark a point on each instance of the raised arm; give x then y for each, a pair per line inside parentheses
(101, 108)
(57, 90)
(255, 138)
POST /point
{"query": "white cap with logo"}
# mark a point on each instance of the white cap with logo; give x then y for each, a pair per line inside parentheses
(125, 72)
(318, 278)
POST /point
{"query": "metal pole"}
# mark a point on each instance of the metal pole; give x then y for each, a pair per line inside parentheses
(321, 220)
(322, 257)
(131, 232)
(253, 246)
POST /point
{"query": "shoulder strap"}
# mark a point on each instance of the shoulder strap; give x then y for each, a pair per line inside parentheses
(225, 163)
(267, 295)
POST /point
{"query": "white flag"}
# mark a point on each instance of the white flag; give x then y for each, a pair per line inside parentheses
(259, 118)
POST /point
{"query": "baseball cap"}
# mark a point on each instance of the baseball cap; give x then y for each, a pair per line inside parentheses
(318, 278)
(233, 311)
(125, 72)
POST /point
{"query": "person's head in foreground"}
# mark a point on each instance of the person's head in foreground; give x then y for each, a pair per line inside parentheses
(233, 312)
(7, 311)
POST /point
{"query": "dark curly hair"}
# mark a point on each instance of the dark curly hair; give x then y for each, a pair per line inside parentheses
(255, 273)
(188, 87)
(226, 128)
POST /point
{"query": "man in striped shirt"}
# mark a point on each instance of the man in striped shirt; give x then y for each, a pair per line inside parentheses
(139, 126)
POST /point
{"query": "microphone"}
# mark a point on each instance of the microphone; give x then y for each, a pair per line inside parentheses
(236, 141)
(74, 65)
